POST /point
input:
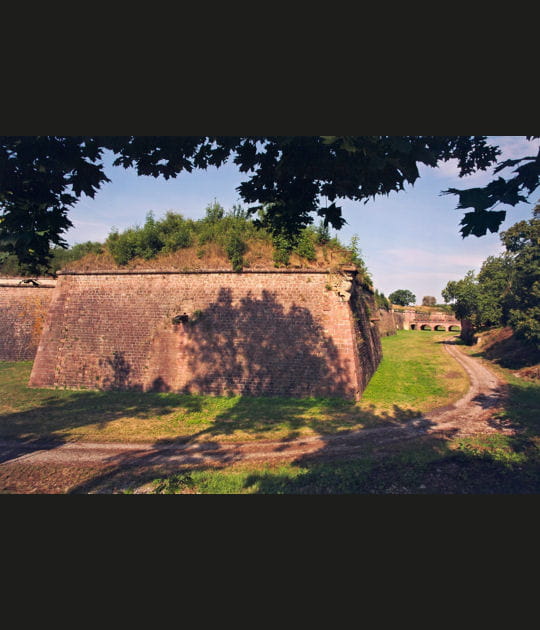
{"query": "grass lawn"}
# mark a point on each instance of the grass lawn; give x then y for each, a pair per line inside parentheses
(415, 375)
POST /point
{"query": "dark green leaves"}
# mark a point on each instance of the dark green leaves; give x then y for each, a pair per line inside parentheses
(332, 215)
(500, 191)
(478, 223)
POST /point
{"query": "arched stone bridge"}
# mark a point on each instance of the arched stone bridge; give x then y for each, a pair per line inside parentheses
(430, 321)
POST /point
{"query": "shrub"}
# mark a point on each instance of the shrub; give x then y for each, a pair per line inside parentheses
(123, 247)
(230, 231)
(175, 232)
(355, 257)
(236, 248)
(282, 250)
(381, 301)
(214, 212)
(306, 244)
(148, 239)
(322, 233)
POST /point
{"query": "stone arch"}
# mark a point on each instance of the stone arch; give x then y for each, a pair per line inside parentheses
(425, 327)
(454, 328)
(439, 327)
(413, 326)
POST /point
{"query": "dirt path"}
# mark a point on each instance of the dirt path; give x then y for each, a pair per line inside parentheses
(22, 465)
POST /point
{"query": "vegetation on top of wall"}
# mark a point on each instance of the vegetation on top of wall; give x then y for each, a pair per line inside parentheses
(234, 234)
(219, 239)
(355, 258)
(445, 308)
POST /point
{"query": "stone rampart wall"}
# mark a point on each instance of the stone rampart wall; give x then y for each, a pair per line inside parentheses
(260, 333)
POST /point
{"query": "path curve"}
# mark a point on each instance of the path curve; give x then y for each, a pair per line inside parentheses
(473, 413)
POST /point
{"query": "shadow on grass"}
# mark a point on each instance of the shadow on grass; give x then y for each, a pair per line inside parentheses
(40, 425)
(521, 409)
(426, 466)
(423, 465)
(252, 417)
(49, 413)
(412, 462)
(403, 465)
(429, 469)
(452, 341)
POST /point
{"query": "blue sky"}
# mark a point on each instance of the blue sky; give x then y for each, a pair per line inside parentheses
(409, 240)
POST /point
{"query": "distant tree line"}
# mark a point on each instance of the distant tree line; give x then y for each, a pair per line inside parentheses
(506, 291)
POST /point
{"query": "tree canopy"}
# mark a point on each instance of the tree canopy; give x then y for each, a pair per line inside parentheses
(506, 291)
(403, 297)
(289, 179)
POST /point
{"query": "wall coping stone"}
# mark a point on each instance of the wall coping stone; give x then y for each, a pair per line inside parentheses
(134, 272)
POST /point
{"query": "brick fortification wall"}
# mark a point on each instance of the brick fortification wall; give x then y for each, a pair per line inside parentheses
(401, 321)
(23, 309)
(259, 333)
(389, 322)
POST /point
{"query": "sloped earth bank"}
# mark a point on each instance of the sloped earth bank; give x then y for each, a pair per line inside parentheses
(46, 468)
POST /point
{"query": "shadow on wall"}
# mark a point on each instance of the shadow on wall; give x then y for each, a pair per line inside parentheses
(252, 346)
(121, 369)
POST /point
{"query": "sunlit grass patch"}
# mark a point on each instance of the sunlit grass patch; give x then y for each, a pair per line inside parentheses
(415, 373)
